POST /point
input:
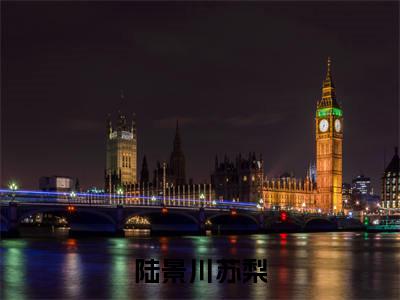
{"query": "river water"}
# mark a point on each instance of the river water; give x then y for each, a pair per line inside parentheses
(345, 265)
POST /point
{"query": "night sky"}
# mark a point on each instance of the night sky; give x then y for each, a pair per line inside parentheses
(239, 77)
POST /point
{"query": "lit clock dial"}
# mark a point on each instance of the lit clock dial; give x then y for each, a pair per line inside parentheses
(338, 125)
(323, 125)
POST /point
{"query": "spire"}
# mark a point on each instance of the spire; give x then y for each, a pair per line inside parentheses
(177, 139)
(177, 160)
(328, 88)
(109, 124)
(328, 78)
(394, 165)
(133, 124)
(121, 102)
(144, 176)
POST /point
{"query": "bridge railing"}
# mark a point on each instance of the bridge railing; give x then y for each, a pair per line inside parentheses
(91, 199)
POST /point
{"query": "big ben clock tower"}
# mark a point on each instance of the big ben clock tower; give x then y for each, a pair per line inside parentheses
(329, 139)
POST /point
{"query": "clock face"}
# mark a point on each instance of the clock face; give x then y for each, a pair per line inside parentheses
(323, 125)
(338, 125)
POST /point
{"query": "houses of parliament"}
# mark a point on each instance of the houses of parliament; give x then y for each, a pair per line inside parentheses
(241, 179)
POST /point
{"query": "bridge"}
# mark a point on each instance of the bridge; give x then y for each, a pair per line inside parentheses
(112, 213)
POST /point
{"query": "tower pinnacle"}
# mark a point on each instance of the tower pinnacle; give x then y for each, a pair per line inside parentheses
(177, 139)
(328, 89)
(177, 160)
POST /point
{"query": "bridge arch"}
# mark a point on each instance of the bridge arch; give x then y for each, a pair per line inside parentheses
(170, 213)
(319, 224)
(226, 222)
(292, 224)
(64, 212)
(239, 214)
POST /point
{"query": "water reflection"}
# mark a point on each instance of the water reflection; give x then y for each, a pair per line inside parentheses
(120, 266)
(301, 265)
(72, 270)
(13, 269)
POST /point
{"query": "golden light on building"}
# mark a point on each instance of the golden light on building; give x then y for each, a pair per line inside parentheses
(324, 194)
(329, 141)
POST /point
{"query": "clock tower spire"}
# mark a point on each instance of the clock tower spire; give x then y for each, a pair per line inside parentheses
(329, 141)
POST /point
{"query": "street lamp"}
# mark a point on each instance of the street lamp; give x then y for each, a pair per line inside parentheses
(120, 193)
(260, 204)
(13, 187)
(72, 195)
(202, 197)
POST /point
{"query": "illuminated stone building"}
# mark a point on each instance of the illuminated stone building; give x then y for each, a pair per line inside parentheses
(121, 155)
(391, 183)
(240, 180)
(288, 192)
(326, 193)
(329, 139)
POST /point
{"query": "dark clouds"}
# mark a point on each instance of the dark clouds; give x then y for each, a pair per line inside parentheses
(239, 76)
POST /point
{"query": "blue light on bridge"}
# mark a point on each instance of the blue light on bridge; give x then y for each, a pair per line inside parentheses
(37, 196)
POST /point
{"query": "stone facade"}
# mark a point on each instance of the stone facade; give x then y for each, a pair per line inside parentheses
(239, 180)
(391, 183)
(121, 155)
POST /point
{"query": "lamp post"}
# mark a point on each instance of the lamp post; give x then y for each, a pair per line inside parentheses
(72, 196)
(153, 199)
(120, 193)
(202, 197)
(13, 187)
(261, 204)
